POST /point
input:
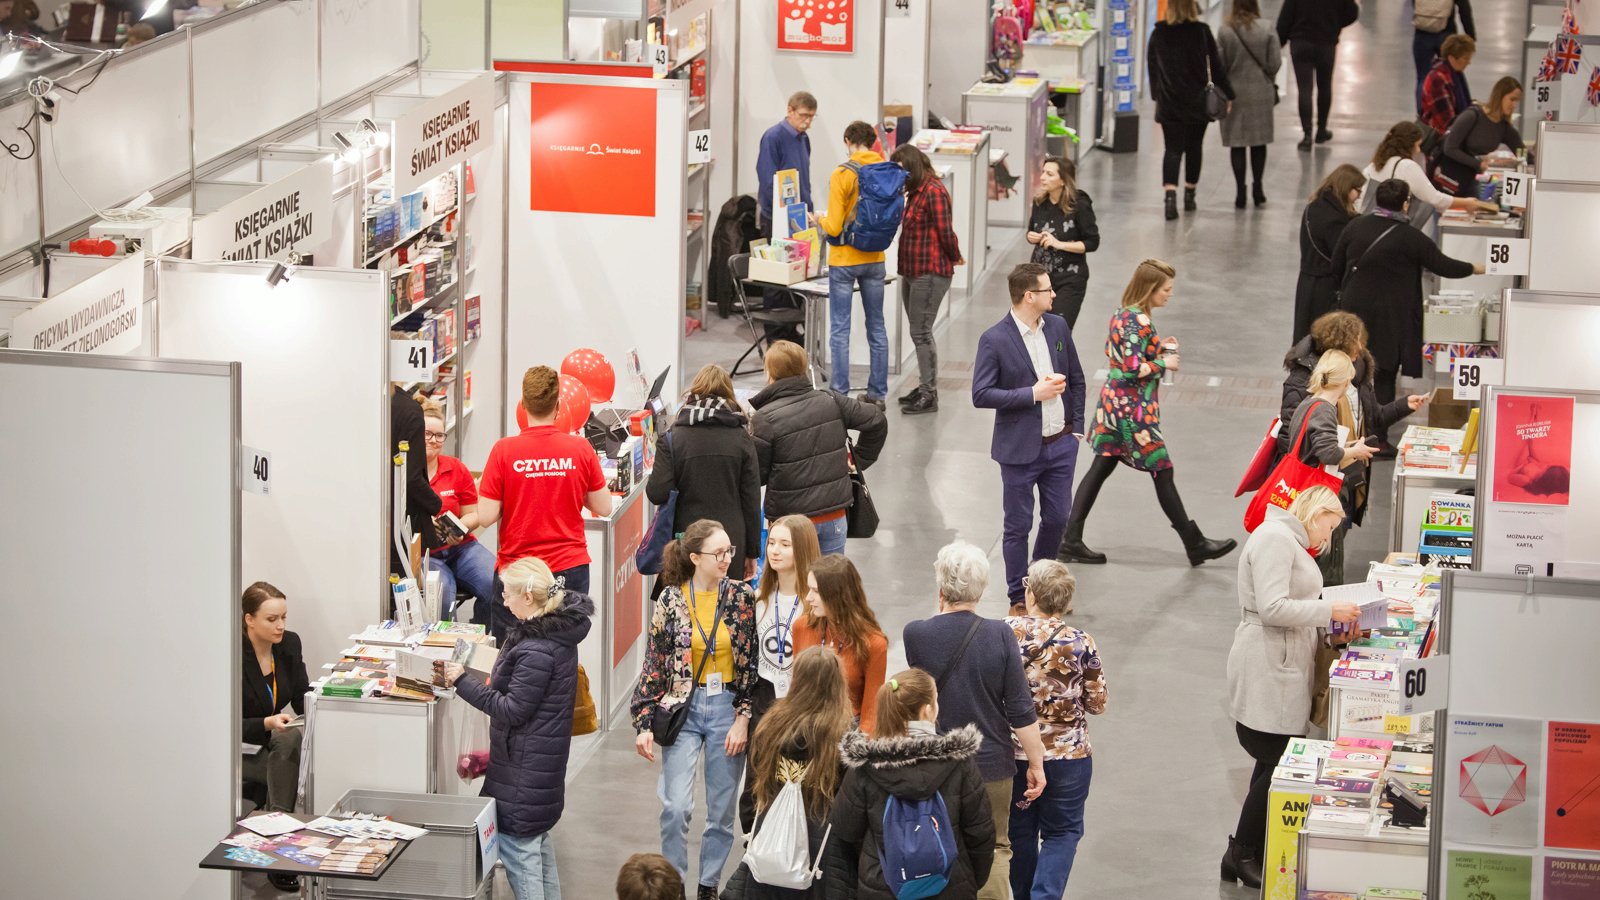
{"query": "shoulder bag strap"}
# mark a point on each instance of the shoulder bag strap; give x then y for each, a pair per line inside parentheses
(1305, 220)
(960, 652)
(1030, 657)
(1247, 52)
(1357, 264)
(1295, 451)
(716, 623)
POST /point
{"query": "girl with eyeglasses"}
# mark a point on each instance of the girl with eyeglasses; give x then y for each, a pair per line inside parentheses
(462, 560)
(702, 652)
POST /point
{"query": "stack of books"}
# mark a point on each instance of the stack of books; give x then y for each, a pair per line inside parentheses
(1431, 448)
(354, 688)
(1362, 669)
(1297, 768)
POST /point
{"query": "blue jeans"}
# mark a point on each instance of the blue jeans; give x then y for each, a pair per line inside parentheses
(1044, 837)
(831, 535)
(842, 281)
(501, 620)
(1051, 474)
(531, 866)
(707, 726)
(471, 565)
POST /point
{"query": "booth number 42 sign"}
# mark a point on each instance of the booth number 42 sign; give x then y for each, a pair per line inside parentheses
(700, 146)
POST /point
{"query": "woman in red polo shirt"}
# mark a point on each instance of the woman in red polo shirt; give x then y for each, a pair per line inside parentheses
(537, 484)
(464, 561)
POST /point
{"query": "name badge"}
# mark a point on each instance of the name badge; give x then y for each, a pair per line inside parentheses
(780, 685)
(714, 684)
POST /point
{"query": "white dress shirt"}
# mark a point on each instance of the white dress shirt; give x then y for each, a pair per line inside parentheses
(1055, 412)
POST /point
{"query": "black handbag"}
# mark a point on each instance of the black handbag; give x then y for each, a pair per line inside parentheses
(666, 723)
(861, 520)
(1216, 104)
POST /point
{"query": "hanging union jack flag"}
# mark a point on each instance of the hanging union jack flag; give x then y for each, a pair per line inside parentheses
(1593, 94)
(1568, 53)
(1569, 25)
(1547, 70)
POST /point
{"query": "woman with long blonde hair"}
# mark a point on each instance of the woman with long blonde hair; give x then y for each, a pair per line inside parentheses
(1127, 424)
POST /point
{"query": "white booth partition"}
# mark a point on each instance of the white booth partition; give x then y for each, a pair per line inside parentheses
(134, 729)
(315, 351)
(1561, 225)
(1549, 339)
(958, 41)
(1568, 151)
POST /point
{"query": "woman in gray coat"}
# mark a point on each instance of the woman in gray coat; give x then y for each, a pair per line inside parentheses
(1270, 677)
(1251, 55)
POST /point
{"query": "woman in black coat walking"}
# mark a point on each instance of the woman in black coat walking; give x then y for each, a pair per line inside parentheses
(1311, 29)
(1331, 208)
(1183, 60)
(1381, 258)
(709, 458)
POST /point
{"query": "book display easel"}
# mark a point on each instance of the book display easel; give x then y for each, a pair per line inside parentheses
(1518, 815)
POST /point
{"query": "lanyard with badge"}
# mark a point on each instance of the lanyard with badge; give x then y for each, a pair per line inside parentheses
(713, 679)
(785, 633)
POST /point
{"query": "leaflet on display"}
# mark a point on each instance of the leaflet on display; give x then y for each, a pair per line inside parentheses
(98, 315)
(442, 131)
(294, 213)
(1524, 540)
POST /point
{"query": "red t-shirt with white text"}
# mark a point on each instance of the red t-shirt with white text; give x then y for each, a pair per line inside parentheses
(452, 481)
(541, 478)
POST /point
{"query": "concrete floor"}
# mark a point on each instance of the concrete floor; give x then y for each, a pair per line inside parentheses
(1169, 775)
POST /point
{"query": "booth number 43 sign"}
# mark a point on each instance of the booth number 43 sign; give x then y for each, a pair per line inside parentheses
(1506, 256)
(257, 475)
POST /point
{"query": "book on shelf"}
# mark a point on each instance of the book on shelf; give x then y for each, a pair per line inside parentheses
(1380, 744)
(349, 687)
(1293, 778)
(1362, 758)
(1387, 893)
(1422, 447)
(369, 653)
(1329, 895)
(1339, 821)
(474, 317)
(445, 633)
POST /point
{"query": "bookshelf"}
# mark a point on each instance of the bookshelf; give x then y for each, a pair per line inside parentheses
(690, 41)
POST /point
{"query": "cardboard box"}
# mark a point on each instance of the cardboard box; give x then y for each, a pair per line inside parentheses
(1444, 411)
(774, 272)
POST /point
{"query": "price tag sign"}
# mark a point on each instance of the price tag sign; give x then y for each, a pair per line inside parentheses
(1424, 685)
(1514, 190)
(700, 146)
(256, 476)
(1506, 256)
(1397, 725)
(1472, 374)
(411, 361)
(659, 61)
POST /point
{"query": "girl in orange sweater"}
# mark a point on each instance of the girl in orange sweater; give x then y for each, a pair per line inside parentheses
(838, 617)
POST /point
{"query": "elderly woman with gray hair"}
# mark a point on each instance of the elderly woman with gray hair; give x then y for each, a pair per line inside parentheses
(978, 670)
(1064, 674)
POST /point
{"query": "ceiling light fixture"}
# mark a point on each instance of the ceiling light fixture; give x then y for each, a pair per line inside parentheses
(282, 271)
(379, 136)
(10, 56)
(348, 148)
(153, 9)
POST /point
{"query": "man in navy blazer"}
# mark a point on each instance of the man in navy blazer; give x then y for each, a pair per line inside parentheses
(1027, 371)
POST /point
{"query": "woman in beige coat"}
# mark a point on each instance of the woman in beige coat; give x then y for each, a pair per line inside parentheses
(1270, 668)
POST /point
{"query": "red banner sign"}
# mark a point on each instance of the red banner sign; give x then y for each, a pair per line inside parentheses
(592, 149)
(627, 585)
(827, 26)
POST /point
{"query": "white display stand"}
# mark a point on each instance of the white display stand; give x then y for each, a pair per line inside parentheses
(145, 452)
(374, 743)
(1409, 500)
(1567, 151)
(906, 41)
(1354, 863)
(1547, 336)
(315, 351)
(1544, 534)
(1014, 115)
(1470, 241)
(1482, 615)
(613, 654)
(1561, 217)
(1063, 56)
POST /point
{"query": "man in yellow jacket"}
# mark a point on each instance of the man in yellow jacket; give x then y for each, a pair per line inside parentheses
(848, 268)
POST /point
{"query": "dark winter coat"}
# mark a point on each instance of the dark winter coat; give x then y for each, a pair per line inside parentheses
(1315, 21)
(741, 886)
(1178, 56)
(736, 227)
(529, 701)
(1384, 287)
(800, 434)
(911, 767)
(1317, 291)
(710, 460)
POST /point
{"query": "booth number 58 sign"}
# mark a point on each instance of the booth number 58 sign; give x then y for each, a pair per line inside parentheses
(1506, 256)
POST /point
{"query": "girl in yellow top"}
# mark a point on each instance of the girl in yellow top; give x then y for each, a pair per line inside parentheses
(689, 636)
(849, 267)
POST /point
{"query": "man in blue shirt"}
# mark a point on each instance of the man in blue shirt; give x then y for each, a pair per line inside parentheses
(786, 146)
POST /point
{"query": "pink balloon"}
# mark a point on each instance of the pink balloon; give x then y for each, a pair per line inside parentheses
(595, 372)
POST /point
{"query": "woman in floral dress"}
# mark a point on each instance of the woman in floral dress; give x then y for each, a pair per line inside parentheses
(1127, 424)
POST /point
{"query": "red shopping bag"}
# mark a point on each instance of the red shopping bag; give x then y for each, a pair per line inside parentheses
(1288, 479)
(1255, 474)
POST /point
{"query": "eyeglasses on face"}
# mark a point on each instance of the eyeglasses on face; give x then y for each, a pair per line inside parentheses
(719, 555)
(1043, 290)
(433, 437)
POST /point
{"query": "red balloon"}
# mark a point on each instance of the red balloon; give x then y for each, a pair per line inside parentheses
(575, 405)
(592, 369)
(522, 415)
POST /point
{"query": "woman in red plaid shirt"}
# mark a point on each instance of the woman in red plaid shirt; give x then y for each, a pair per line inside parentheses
(929, 253)
(1444, 90)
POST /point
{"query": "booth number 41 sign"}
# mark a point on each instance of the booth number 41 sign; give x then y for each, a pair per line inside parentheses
(1506, 256)
(257, 475)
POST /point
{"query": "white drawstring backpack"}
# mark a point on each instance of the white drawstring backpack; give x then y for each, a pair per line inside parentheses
(780, 852)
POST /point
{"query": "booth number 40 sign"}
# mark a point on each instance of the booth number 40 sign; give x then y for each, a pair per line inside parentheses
(257, 475)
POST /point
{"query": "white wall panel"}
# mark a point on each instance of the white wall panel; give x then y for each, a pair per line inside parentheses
(19, 183)
(364, 40)
(253, 76)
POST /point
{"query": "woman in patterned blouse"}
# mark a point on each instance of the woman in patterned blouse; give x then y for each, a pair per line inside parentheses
(1127, 424)
(1068, 684)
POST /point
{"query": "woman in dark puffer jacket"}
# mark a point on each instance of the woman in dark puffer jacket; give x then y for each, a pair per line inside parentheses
(908, 759)
(529, 699)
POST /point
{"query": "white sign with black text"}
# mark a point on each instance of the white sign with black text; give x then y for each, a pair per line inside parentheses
(700, 146)
(411, 361)
(1424, 684)
(660, 59)
(1514, 188)
(1506, 256)
(442, 131)
(898, 8)
(1472, 375)
(256, 476)
(292, 213)
(98, 315)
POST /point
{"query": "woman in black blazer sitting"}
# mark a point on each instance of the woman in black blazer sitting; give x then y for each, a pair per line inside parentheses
(274, 679)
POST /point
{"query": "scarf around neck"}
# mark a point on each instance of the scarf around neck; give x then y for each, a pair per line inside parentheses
(708, 410)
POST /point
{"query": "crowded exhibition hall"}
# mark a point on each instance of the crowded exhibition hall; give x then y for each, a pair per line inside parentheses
(676, 449)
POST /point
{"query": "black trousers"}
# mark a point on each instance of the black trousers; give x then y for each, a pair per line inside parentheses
(1266, 749)
(1313, 63)
(1258, 164)
(1182, 141)
(1070, 288)
(1100, 470)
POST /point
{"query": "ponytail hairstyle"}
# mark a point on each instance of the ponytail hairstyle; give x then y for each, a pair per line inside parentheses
(850, 619)
(676, 566)
(816, 712)
(531, 575)
(1333, 367)
(900, 699)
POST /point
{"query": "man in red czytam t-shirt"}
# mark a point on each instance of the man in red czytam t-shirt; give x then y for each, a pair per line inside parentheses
(536, 485)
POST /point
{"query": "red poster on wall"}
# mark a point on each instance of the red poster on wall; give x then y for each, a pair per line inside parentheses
(627, 585)
(592, 149)
(1533, 449)
(824, 25)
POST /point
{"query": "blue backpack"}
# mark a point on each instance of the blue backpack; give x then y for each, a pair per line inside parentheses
(880, 205)
(919, 847)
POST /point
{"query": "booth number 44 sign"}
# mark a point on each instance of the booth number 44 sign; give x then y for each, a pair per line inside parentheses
(1424, 684)
(257, 475)
(1473, 374)
(1506, 256)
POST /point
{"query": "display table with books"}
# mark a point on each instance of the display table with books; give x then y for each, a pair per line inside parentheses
(1430, 471)
(360, 848)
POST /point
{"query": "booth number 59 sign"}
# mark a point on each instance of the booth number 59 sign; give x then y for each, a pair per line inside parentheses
(1472, 375)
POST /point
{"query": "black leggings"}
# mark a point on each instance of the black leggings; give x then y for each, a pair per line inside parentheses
(1101, 469)
(1258, 163)
(1313, 59)
(1183, 141)
(1265, 749)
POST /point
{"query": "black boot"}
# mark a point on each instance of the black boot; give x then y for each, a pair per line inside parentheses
(1074, 550)
(1259, 195)
(1172, 205)
(912, 395)
(1324, 135)
(1239, 198)
(925, 402)
(1241, 865)
(1199, 547)
(1188, 200)
(1305, 144)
